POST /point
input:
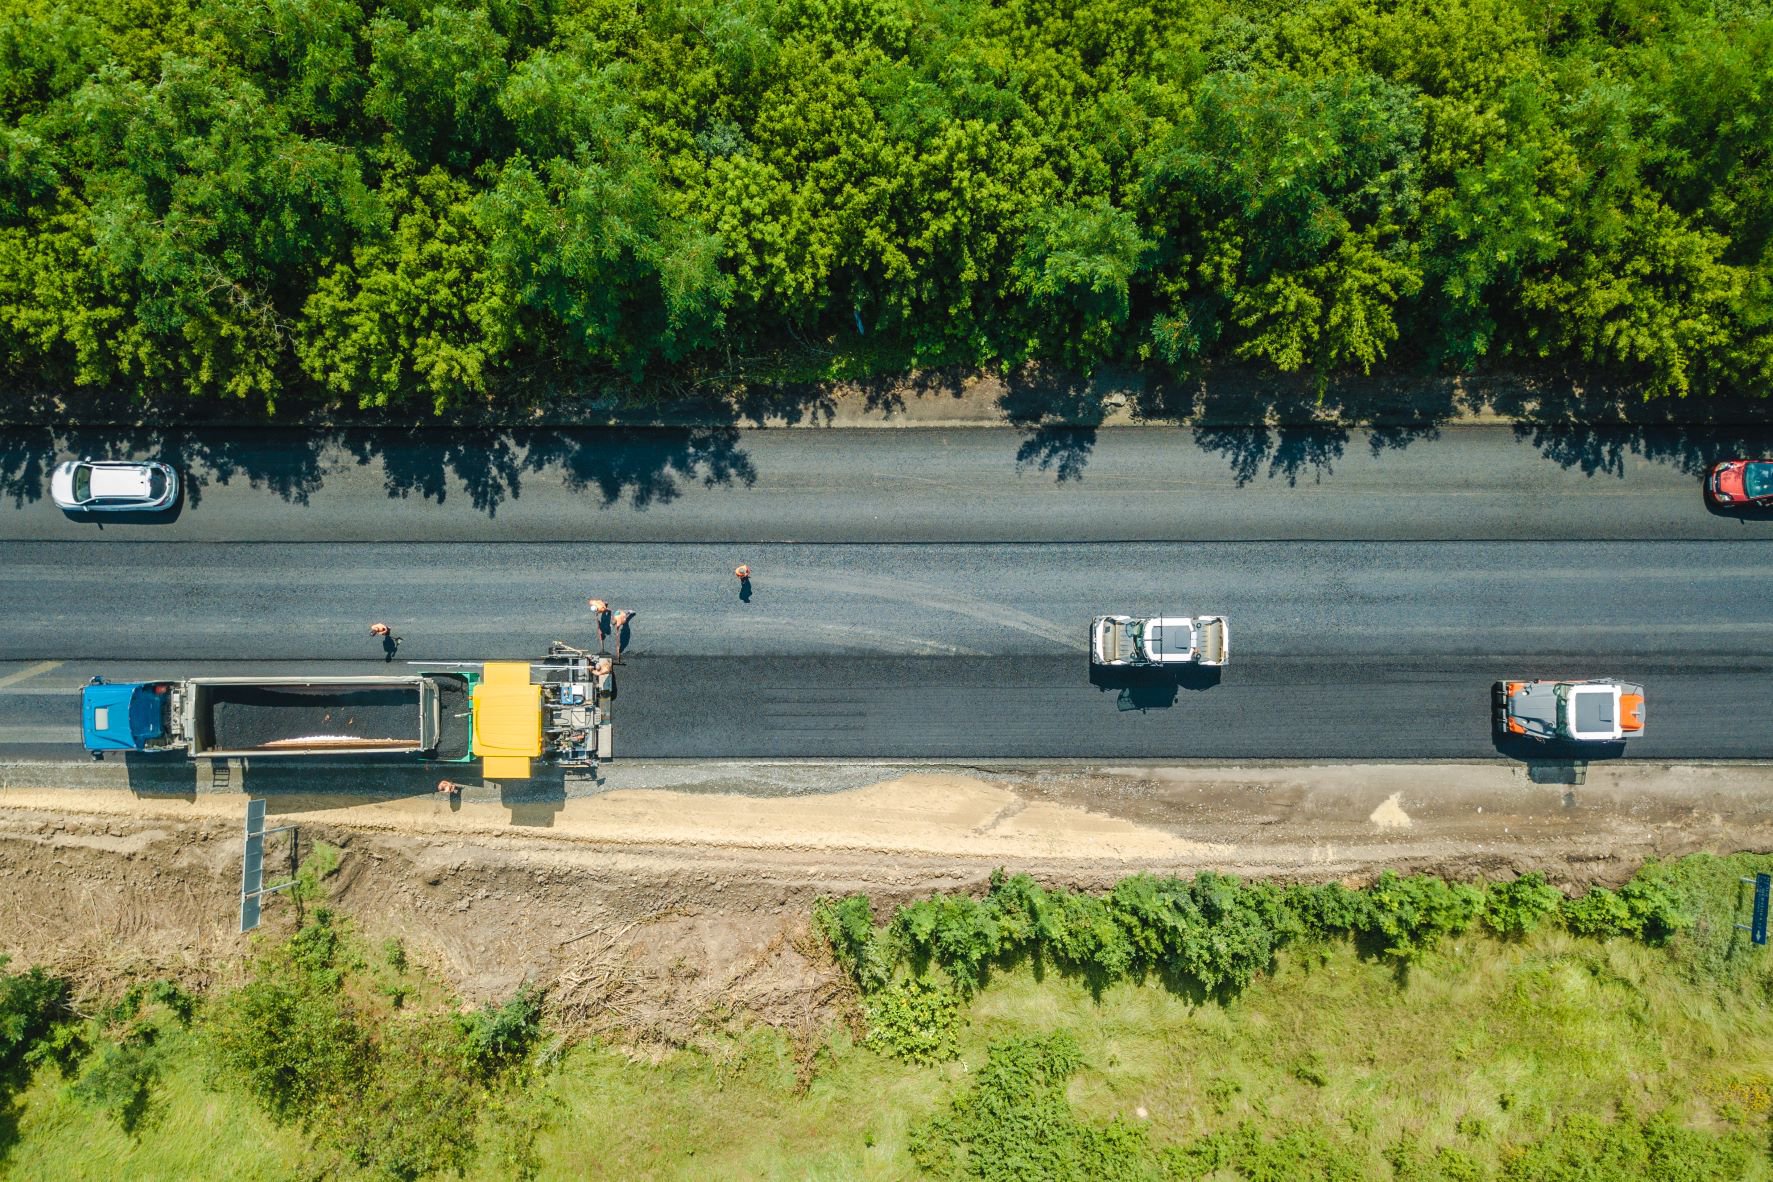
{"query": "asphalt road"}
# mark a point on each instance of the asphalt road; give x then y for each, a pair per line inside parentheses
(1353, 649)
(905, 485)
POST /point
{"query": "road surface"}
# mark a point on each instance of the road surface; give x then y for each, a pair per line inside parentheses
(922, 594)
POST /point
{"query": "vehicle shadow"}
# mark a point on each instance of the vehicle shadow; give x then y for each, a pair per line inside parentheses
(286, 463)
(293, 784)
(99, 520)
(535, 802)
(290, 787)
(1552, 758)
(156, 776)
(1151, 689)
(1746, 514)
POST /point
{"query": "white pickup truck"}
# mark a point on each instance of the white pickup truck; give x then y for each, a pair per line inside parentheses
(1159, 641)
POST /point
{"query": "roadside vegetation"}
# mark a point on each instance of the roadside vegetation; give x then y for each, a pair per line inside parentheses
(1412, 1031)
(431, 205)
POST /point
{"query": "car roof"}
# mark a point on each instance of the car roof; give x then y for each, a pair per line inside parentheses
(120, 479)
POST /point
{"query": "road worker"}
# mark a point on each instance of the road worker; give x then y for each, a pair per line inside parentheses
(600, 613)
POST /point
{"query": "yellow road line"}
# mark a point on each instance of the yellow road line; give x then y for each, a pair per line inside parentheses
(25, 674)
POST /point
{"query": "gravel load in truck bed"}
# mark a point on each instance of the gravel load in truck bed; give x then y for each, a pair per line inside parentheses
(246, 718)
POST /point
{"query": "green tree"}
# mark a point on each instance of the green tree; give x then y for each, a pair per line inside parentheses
(591, 247)
(437, 85)
(1076, 270)
(419, 313)
(1296, 197)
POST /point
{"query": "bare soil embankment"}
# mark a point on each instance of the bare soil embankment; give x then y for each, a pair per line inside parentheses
(654, 913)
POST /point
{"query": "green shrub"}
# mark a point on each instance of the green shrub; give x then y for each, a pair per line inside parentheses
(119, 1079)
(495, 1038)
(1015, 1124)
(848, 926)
(915, 1019)
(290, 1034)
(1512, 909)
(414, 1115)
(1446, 1164)
(1656, 916)
(1296, 1153)
(1411, 914)
(1643, 909)
(956, 931)
(1327, 911)
(1215, 934)
(392, 1095)
(1599, 914)
(31, 1003)
(1583, 1148)
(394, 954)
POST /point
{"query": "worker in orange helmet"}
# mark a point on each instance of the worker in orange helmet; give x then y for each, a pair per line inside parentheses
(390, 642)
(600, 613)
(621, 629)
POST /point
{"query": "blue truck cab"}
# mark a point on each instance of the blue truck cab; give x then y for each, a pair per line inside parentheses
(124, 716)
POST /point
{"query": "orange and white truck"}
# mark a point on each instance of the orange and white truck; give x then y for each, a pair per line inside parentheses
(1601, 710)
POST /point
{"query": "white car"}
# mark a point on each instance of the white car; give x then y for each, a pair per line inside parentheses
(100, 485)
(1160, 640)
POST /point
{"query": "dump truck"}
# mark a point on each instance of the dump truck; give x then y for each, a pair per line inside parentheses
(1600, 710)
(235, 717)
(506, 713)
(1159, 641)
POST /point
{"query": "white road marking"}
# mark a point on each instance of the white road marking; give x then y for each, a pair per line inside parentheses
(39, 668)
(935, 599)
(10, 735)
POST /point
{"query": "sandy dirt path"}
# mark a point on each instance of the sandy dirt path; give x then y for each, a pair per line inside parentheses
(645, 910)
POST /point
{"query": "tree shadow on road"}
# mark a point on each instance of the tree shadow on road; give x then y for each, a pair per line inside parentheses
(643, 466)
(646, 466)
(639, 466)
(285, 463)
(1292, 428)
(1059, 414)
(1593, 426)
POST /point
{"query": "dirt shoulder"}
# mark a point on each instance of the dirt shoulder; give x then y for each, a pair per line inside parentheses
(655, 911)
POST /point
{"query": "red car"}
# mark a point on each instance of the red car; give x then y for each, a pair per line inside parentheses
(1741, 482)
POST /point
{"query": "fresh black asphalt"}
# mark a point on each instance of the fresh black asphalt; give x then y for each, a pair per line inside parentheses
(922, 594)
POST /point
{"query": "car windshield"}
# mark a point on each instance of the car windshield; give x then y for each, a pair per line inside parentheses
(82, 483)
(1757, 480)
(156, 485)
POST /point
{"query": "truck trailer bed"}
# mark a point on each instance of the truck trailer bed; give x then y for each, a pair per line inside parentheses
(312, 717)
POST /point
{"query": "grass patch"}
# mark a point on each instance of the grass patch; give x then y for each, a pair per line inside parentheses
(1514, 1050)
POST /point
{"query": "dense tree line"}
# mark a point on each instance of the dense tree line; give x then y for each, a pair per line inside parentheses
(413, 202)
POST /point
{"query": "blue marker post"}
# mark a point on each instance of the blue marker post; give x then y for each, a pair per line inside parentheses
(1757, 926)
